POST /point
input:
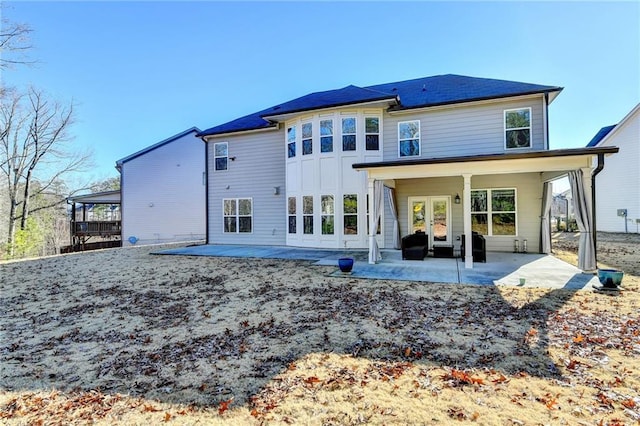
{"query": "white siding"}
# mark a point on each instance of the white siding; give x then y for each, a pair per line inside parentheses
(258, 168)
(618, 185)
(529, 195)
(464, 130)
(163, 193)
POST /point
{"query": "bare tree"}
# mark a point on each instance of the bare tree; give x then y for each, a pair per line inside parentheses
(15, 42)
(34, 152)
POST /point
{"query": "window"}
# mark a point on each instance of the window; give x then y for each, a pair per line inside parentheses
(409, 138)
(327, 210)
(291, 142)
(349, 134)
(350, 210)
(291, 214)
(307, 214)
(238, 215)
(493, 211)
(517, 128)
(372, 133)
(221, 155)
(307, 139)
(326, 135)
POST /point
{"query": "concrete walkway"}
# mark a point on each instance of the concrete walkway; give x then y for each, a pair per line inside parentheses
(537, 270)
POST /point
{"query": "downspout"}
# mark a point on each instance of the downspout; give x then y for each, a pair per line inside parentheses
(546, 117)
(206, 190)
(597, 170)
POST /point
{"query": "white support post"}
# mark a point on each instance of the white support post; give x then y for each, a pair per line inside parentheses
(372, 226)
(466, 212)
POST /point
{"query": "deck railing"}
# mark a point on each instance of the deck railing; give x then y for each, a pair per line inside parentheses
(95, 228)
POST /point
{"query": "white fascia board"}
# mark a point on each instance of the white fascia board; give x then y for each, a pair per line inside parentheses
(490, 167)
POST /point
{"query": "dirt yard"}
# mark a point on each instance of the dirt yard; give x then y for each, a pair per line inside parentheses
(121, 336)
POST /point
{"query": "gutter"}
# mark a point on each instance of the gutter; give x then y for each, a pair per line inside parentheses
(597, 170)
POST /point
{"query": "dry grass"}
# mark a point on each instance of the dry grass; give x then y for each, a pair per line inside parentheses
(124, 337)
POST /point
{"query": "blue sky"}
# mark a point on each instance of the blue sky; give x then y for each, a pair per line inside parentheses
(140, 72)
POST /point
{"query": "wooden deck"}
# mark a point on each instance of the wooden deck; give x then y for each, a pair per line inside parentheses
(103, 229)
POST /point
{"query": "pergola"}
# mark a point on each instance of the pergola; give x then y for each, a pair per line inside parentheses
(83, 229)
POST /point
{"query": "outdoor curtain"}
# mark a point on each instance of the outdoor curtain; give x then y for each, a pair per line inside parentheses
(545, 223)
(376, 212)
(584, 220)
(391, 197)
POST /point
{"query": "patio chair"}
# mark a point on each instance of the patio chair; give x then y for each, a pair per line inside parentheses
(415, 246)
(478, 247)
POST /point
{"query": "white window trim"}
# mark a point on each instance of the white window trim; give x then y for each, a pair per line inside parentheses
(320, 136)
(215, 157)
(312, 214)
(378, 133)
(530, 128)
(287, 141)
(333, 215)
(237, 215)
(489, 211)
(302, 138)
(419, 138)
(292, 215)
(355, 117)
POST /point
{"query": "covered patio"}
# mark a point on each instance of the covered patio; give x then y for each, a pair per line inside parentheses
(534, 169)
(537, 270)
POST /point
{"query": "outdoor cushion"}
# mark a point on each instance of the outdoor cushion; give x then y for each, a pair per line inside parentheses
(415, 246)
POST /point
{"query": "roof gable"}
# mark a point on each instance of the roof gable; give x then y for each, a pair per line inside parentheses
(600, 135)
(409, 94)
(608, 131)
(121, 161)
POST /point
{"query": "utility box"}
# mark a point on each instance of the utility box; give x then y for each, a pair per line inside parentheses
(622, 212)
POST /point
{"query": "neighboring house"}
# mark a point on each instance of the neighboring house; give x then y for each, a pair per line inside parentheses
(618, 185)
(453, 154)
(562, 210)
(163, 191)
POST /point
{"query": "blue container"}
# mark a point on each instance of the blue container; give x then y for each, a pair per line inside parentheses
(610, 278)
(345, 264)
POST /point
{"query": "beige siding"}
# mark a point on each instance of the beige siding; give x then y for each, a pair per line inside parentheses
(464, 130)
(529, 194)
(163, 193)
(618, 185)
(258, 168)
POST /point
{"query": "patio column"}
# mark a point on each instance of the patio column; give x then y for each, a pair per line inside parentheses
(375, 190)
(466, 214)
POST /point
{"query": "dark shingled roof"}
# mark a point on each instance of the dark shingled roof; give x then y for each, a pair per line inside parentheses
(600, 135)
(409, 94)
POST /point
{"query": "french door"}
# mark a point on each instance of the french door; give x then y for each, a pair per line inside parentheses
(431, 215)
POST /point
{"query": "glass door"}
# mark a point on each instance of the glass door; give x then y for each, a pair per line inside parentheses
(440, 220)
(417, 214)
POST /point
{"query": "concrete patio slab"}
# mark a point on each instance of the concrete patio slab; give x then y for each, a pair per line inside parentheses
(509, 269)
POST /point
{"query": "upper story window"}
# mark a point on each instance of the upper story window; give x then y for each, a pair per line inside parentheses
(307, 139)
(221, 155)
(372, 133)
(349, 134)
(517, 128)
(326, 135)
(493, 211)
(409, 138)
(291, 142)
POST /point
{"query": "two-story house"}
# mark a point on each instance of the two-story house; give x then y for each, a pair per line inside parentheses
(359, 166)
